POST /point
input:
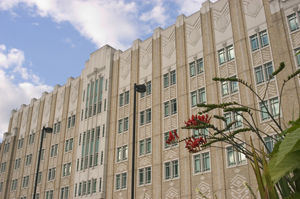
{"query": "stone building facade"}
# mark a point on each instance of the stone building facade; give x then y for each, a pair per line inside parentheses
(88, 155)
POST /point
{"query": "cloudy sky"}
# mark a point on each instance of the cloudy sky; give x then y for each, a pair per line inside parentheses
(43, 42)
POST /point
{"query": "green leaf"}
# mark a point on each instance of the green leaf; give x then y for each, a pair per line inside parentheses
(290, 143)
(294, 196)
(289, 130)
(290, 162)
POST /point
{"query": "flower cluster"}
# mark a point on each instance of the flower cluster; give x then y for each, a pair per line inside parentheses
(197, 120)
(193, 144)
(172, 138)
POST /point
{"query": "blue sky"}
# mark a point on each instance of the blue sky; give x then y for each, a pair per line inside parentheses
(43, 42)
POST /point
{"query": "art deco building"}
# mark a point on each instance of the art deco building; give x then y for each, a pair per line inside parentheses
(88, 155)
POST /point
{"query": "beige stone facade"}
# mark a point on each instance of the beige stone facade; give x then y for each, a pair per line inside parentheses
(89, 153)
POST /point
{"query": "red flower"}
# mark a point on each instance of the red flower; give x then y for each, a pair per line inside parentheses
(171, 138)
(195, 120)
(194, 144)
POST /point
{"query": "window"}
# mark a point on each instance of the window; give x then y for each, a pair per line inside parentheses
(145, 146)
(196, 69)
(24, 197)
(3, 167)
(263, 38)
(94, 186)
(142, 118)
(49, 194)
(25, 181)
(20, 143)
(6, 147)
(126, 97)
(233, 116)
(28, 159)
(235, 157)
(54, 150)
(167, 108)
(121, 100)
(17, 163)
(222, 58)
(121, 127)
(166, 138)
(51, 174)
(66, 169)
(144, 176)
(198, 99)
(69, 145)
(297, 56)
(69, 122)
(1, 186)
(58, 127)
(39, 180)
(173, 77)
(79, 189)
(270, 141)
(230, 53)
(254, 42)
(73, 120)
(148, 88)
(200, 132)
(171, 170)
(101, 158)
(122, 153)
(261, 74)
(31, 139)
(14, 184)
(166, 80)
(84, 188)
(121, 181)
(100, 184)
(274, 108)
(64, 193)
(293, 22)
(89, 187)
(75, 192)
(148, 115)
(201, 162)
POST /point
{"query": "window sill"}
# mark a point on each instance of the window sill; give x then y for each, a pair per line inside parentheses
(167, 180)
(202, 173)
(237, 165)
(144, 185)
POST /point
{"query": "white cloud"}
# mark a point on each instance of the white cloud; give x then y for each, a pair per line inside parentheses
(11, 65)
(69, 41)
(156, 15)
(35, 24)
(103, 22)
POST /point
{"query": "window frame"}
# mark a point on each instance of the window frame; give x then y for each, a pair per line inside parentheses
(145, 177)
(172, 163)
(121, 181)
(201, 161)
(236, 156)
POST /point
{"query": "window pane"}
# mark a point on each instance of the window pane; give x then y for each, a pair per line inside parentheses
(118, 179)
(174, 106)
(148, 145)
(293, 21)
(125, 152)
(194, 98)
(148, 175)
(192, 69)
(221, 56)
(206, 162)
(124, 180)
(142, 118)
(274, 106)
(167, 170)
(264, 38)
(254, 42)
(197, 164)
(225, 90)
(202, 97)
(269, 143)
(175, 168)
(264, 114)
(230, 154)
(199, 66)
(141, 176)
(238, 118)
(141, 147)
(173, 77)
(230, 53)
(166, 104)
(119, 154)
(298, 56)
(269, 71)
(166, 80)
(259, 75)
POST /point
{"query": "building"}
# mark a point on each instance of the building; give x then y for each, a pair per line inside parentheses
(88, 154)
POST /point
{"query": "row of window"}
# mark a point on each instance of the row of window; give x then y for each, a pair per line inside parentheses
(88, 187)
